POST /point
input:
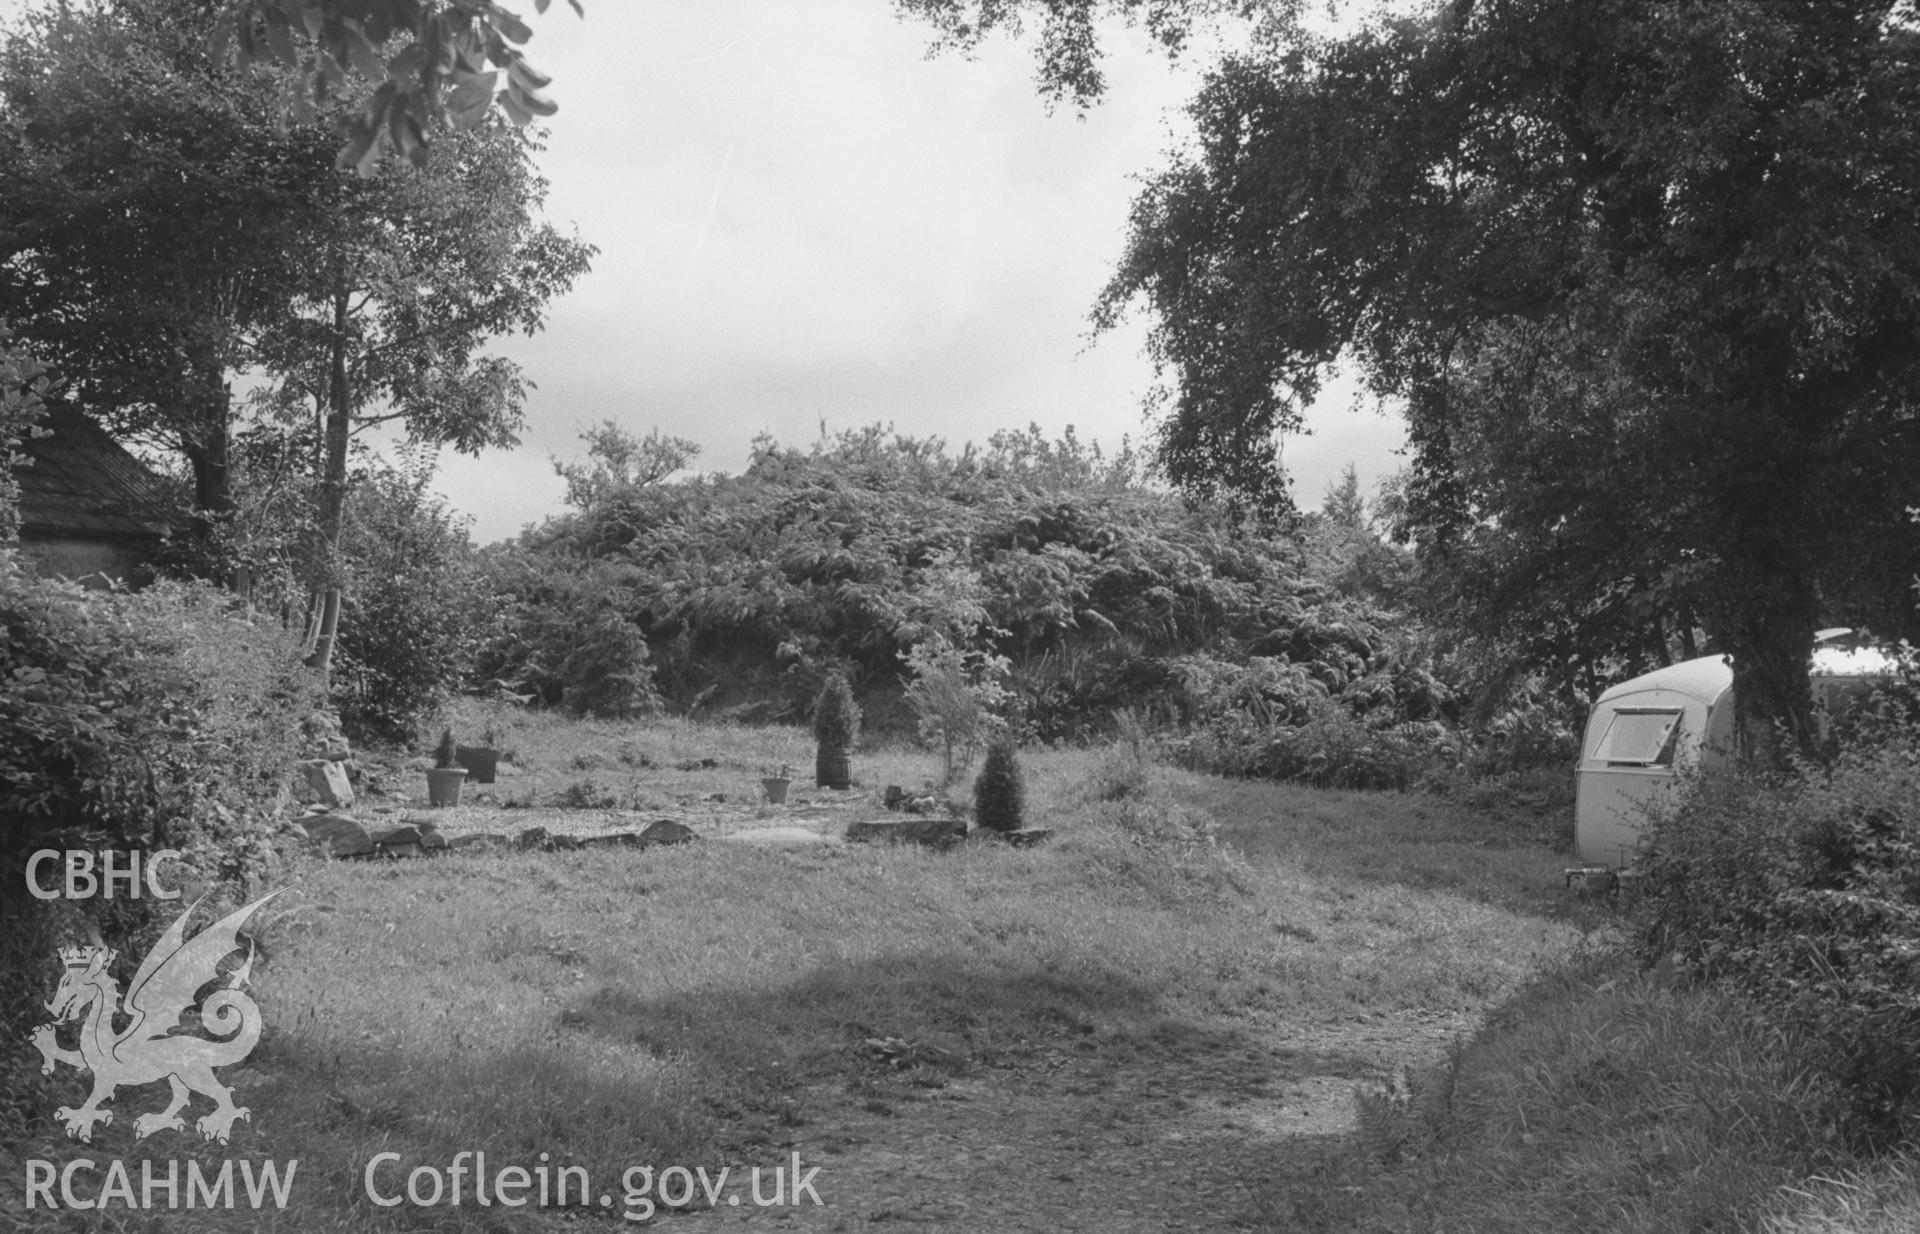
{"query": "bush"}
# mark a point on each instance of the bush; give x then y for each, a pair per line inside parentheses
(1805, 892)
(563, 636)
(1328, 748)
(157, 719)
(411, 613)
(954, 694)
(999, 795)
(836, 717)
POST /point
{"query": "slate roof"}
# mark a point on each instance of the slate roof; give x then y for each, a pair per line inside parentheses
(84, 483)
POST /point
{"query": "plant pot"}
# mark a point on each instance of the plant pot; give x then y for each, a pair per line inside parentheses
(776, 787)
(480, 761)
(443, 785)
(833, 767)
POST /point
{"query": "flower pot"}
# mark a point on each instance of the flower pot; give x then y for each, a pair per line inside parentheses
(776, 788)
(480, 761)
(833, 767)
(443, 785)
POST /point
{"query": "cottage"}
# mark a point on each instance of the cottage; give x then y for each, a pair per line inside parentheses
(88, 509)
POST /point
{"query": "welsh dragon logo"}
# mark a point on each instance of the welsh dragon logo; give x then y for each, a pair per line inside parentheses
(149, 1048)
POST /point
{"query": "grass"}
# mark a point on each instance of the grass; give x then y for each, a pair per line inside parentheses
(1881, 1199)
(685, 1005)
(1602, 1098)
(698, 1005)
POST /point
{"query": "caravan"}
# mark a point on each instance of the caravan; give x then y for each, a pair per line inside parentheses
(1645, 732)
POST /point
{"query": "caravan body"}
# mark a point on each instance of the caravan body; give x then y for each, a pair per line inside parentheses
(1644, 732)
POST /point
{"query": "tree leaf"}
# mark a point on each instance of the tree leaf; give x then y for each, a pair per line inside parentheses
(532, 101)
(516, 110)
(280, 36)
(526, 75)
(471, 90)
(362, 151)
(364, 56)
(510, 25)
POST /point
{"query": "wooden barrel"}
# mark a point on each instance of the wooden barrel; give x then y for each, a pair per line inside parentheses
(833, 767)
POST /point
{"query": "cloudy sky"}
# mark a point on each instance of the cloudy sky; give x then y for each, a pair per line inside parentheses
(803, 220)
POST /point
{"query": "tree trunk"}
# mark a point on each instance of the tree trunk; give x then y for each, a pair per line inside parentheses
(1772, 647)
(333, 488)
(207, 445)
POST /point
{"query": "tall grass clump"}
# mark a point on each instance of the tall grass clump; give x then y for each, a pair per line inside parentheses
(1803, 892)
(1884, 1199)
(1142, 834)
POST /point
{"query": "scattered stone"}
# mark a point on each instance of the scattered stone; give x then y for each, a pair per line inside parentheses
(666, 831)
(408, 841)
(932, 832)
(548, 842)
(780, 837)
(339, 836)
(921, 805)
(621, 839)
(479, 840)
(1026, 837)
(720, 797)
(328, 781)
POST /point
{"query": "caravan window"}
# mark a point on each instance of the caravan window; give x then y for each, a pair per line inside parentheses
(1640, 736)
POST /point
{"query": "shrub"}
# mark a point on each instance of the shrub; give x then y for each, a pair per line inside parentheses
(999, 795)
(411, 613)
(836, 717)
(953, 694)
(1328, 748)
(153, 719)
(1805, 892)
(605, 670)
(563, 635)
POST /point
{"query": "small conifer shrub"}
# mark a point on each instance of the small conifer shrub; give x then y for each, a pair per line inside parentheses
(999, 797)
(445, 754)
(836, 717)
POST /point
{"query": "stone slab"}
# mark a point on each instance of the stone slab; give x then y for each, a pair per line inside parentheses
(780, 837)
(338, 835)
(328, 780)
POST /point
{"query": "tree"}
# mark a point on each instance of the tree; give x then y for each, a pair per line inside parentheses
(150, 226)
(434, 65)
(1643, 273)
(23, 388)
(617, 460)
(418, 269)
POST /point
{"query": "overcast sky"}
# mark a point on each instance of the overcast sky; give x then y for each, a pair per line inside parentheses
(802, 219)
